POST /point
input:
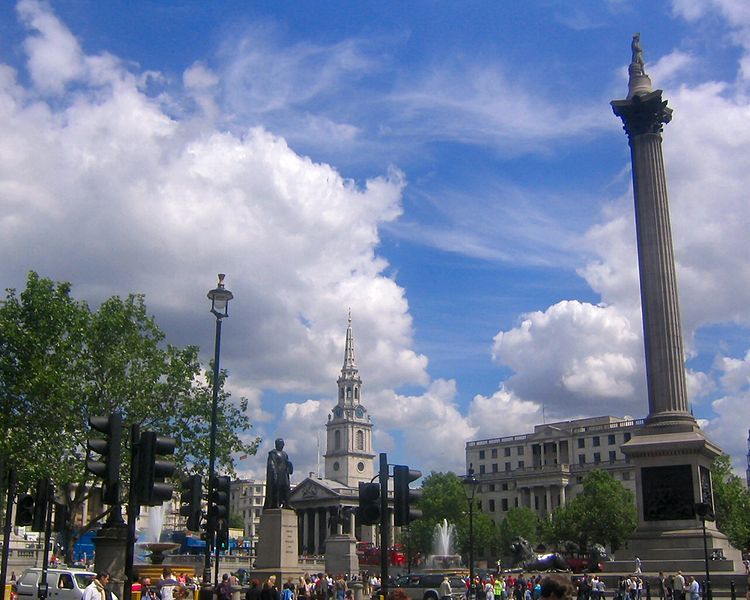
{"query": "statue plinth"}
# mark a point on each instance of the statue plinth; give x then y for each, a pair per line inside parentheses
(277, 545)
(341, 554)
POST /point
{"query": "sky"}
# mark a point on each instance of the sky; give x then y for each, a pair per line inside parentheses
(451, 172)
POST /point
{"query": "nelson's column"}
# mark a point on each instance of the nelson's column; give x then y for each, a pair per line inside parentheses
(671, 454)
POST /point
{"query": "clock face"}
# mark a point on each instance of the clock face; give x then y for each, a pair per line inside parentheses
(360, 412)
(360, 466)
(337, 412)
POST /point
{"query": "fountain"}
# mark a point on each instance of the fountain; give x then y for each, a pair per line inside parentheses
(150, 565)
(443, 555)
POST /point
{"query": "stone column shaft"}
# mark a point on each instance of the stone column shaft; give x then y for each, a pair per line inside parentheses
(643, 117)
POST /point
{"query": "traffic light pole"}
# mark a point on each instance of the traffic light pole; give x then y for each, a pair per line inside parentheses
(43, 590)
(8, 526)
(384, 523)
(133, 511)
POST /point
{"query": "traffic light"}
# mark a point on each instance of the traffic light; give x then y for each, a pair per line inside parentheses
(108, 447)
(219, 501)
(41, 503)
(191, 502)
(404, 496)
(60, 519)
(369, 503)
(25, 510)
(152, 490)
(222, 536)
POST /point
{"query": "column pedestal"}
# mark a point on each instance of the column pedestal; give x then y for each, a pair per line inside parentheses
(110, 544)
(341, 555)
(277, 546)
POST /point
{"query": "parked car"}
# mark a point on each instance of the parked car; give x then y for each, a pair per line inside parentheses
(426, 586)
(63, 583)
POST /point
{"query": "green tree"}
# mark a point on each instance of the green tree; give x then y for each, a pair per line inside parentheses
(604, 512)
(443, 497)
(731, 502)
(61, 362)
(518, 522)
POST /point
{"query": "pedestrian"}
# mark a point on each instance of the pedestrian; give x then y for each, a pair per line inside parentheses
(661, 583)
(253, 592)
(96, 589)
(166, 584)
(694, 588)
(678, 586)
(556, 587)
(637, 565)
(445, 588)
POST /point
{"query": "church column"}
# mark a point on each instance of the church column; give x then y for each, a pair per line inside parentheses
(316, 531)
(563, 501)
(352, 524)
(305, 530)
(548, 500)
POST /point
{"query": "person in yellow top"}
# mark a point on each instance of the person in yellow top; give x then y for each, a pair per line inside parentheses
(499, 587)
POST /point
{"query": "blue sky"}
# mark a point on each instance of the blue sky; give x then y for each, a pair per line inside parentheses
(452, 172)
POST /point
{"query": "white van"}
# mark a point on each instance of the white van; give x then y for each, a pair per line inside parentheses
(63, 583)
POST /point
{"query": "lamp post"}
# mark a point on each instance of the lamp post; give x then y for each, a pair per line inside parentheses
(703, 510)
(219, 298)
(471, 484)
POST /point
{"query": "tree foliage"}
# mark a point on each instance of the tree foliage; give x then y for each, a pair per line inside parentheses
(604, 512)
(519, 522)
(61, 362)
(731, 503)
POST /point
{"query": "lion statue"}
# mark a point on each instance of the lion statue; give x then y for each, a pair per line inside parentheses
(525, 557)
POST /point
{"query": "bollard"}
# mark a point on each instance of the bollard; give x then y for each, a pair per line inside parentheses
(732, 590)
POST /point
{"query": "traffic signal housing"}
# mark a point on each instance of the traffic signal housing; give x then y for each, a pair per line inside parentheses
(108, 447)
(25, 510)
(152, 471)
(219, 501)
(191, 502)
(41, 504)
(369, 503)
(60, 518)
(404, 496)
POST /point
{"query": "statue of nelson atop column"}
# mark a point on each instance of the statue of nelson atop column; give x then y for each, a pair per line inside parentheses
(278, 470)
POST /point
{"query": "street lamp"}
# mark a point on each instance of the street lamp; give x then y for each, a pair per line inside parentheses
(219, 298)
(471, 484)
(703, 510)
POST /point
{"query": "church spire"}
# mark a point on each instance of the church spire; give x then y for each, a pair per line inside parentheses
(350, 366)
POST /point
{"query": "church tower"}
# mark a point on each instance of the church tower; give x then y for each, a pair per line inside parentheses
(349, 456)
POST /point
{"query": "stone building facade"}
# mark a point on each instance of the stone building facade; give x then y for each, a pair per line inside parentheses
(544, 469)
(246, 500)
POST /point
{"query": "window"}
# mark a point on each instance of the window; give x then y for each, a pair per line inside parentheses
(504, 504)
(611, 439)
(516, 503)
(597, 458)
(507, 466)
(337, 440)
(581, 442)
(494, 453)
(626, 476)
(520, 464)
(360, 440)
(492, 505)
(481, 469)
(579, 479)
(356, 393)
(519, 450)
(581, 459)
(481, 454)
(507, 452)
(504, 487)
(627, 436)
(492, 487)
(612, 456)
(595, 440)
(494, 467)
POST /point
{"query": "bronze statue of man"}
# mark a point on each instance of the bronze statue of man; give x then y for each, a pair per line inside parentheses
(278, 470)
